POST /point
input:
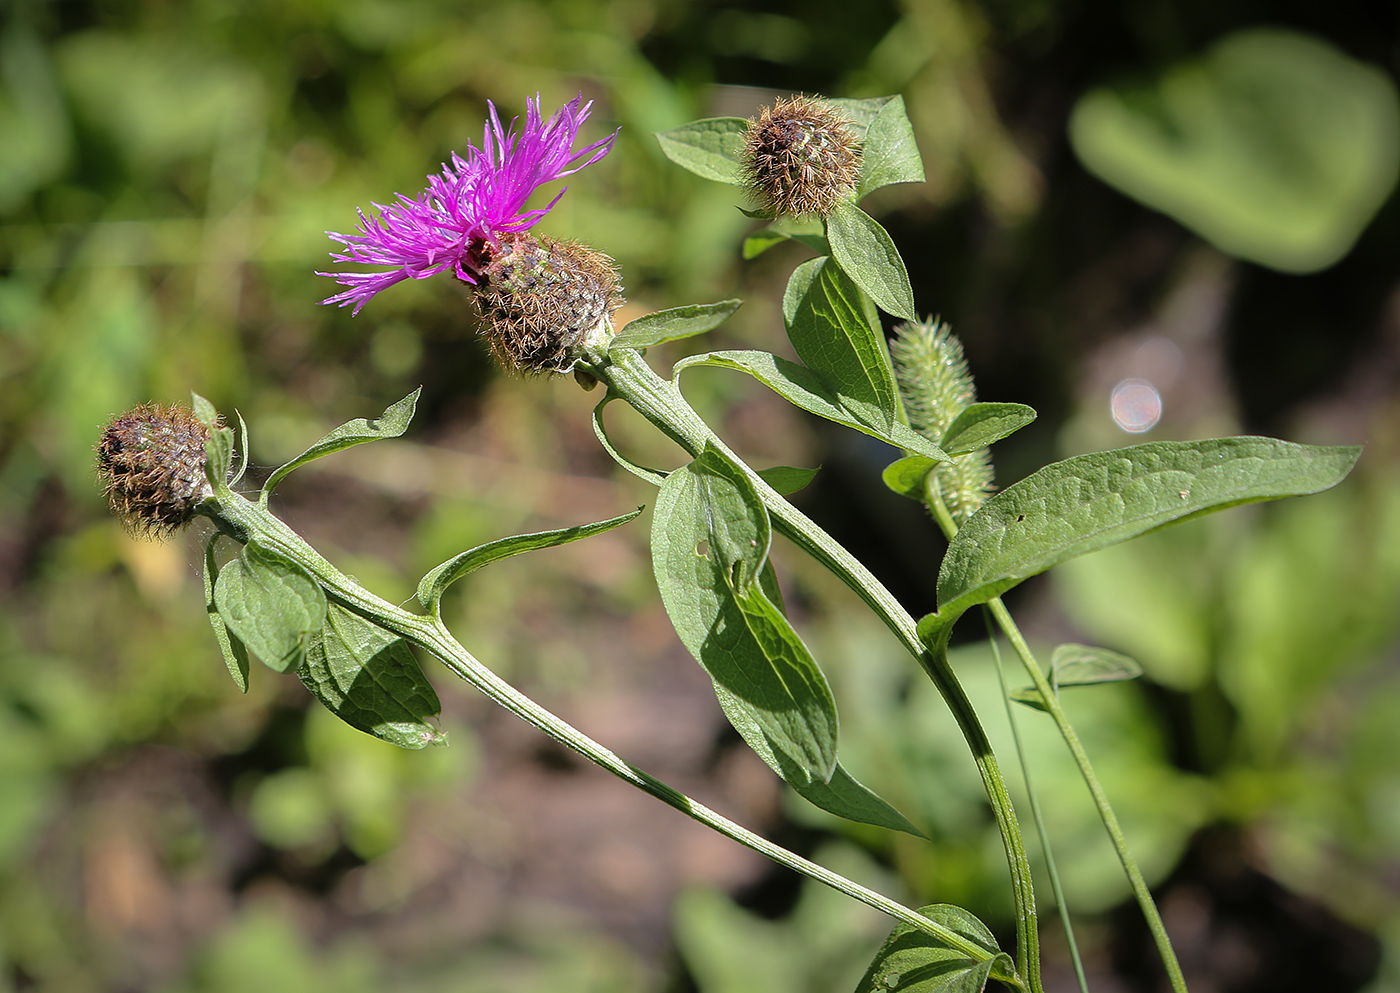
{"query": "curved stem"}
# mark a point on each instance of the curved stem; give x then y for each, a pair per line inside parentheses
(628, 377)
(244, 521)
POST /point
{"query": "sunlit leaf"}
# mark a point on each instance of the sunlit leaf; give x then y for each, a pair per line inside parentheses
(984, 423)
(914, 961)
(867, 253)
(890, 154)
(390, 424)
(787, 479)
(708, 148)
(271, 605)
(670, 325)
(234, 653)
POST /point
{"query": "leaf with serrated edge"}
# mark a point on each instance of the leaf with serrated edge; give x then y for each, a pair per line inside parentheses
(708, 148)
(787, 479)
(802, 387)
(891, 154)
(914, 961)
(390, 424)
(271, 604)
(431, 588)
(368, 677)
(1092, 501)
(678, 322)
(865, 250)
(843, 344)
(234, 653)
(984, 423)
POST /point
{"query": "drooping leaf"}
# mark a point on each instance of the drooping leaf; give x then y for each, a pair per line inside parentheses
(271, 604)
(1080, 665)
(1096, 500)
(653, 476)
(906, 476)
(890, 154)
(787, 479)
(710, 535)
(914, 961)
(437, 579)
(670, 325)
(368, 677)
(708, 148)
(390, 424)
(984, 423)
(234, 653)
(865, 250)
(802, 388)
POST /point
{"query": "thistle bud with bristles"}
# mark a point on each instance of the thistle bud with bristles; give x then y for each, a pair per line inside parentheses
(936, 387)
(543, 300)
(151, 460)
(800, 158)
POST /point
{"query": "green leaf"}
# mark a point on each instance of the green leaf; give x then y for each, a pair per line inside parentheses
(240, 446)
(860, 114)
(891, 155)
(678, 322)
(760, 241)
(1080, 665)
(431, 588)
(710, 535)
(1274, 146)
(204, 411)
(233, 650)
(218, 456)
(1093, 501)
(866, 252)
(906, 476)
(787, 479)
(984, 423)
(368, 677)
(653, 476)
(802, 388)
(708, 148)
(390, 424)
(914, 961)
(839, 339)
(845, 796)
(271, 604)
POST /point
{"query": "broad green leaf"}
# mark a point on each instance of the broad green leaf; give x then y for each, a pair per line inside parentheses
(760, 241)
(906, 476)
(841, 341)
(271, 604)
(890, 154)
(1093, 501)
(864, 249)
(368, 677)
(710, 536)
(708, 148)
(678, 322)
(845, 796)
(234, 653)
(1274, 146)
(802, 388)
(431, 588)
(390, 424)
(984, 423)
(653, 476)
(860, 114)
(787, 479)
(1080, 665)
(913, 961)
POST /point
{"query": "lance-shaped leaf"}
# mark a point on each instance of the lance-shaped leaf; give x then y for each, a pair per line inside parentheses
(1080, 665)
(808, 230)
(390, 424)
(678, 322)
(890, 154)
(234, 653)
(368, 677)
(787, 479)
(1093, 501)
(708, 148)
(984, 423)
(865, 250)
(270, 604)
(914, 961)
(803, 388)
(710, 535)
(218, 450)
(431, 587)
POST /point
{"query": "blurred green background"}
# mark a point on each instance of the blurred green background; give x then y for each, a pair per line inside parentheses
(1193, 202)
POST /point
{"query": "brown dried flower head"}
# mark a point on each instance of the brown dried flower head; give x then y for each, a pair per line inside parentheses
(540, 299)
(151, 461)
(800, 157)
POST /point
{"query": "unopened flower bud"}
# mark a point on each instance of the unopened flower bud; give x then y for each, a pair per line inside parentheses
(800, 158)
(541, 299)
(151, 461)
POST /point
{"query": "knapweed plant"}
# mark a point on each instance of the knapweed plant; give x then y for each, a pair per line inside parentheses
(546, 306)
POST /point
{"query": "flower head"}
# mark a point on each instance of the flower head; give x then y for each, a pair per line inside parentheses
(475, 200)
(800, 158)
(151, 461)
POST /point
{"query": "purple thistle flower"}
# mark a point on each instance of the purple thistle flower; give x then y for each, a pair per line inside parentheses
(468, 206)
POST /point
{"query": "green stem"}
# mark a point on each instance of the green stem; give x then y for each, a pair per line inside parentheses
(1086, 769)
(630, 379)
(246, 521)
